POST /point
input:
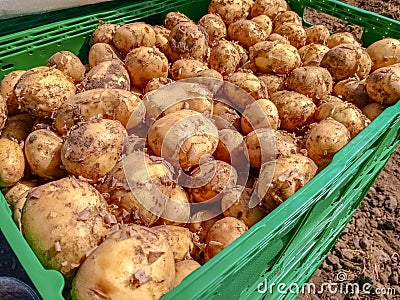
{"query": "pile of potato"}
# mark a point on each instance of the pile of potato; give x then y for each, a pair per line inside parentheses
(82, 145)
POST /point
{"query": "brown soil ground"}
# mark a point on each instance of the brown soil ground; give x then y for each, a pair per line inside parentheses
(368, 251)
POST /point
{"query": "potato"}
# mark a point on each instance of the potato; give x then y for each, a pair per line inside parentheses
(188, 40)
(93, 148)
(383, 85)
(215, 28)
(134, 35)
(295, 33)
(135, 263)
(268, 7)
(230, 147)
(295, 109)
(235, 203)
(225, 116)
(7, 91)
(317, 34)
(249, 83)
(230, 11)
(210, 73)
(68, 63)
(314, 82)
(183, 269)
(177, 208)
(144, 64)
(3, 112)
(265, 22)
(247, 32)
(274, 83)
(347, 60)
(41, 91)
(224, 57)
(260, 114)
(162, 35)
(274, 37)
(346, 113)
(108, 74)
(101, 52)
(353, 91)
(373, 110)
(200, 223)
(157, 83)
(281, 178)
(43, 154)
(12, 162)
(17, 209)
(114, 104)
(312, 54)
(18, 127)
(384, 53)
(325, 139)
(179, 238)
(186, 68)
(104, 33)
(274, 57)
(339, 38)
(174, 18)
(210, 180)
(62, 222)
(266, 144)
(221, 234)
(242, 54)
(287, 17)
(15, 192)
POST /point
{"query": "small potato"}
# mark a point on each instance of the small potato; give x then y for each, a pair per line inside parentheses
(383, 85)
(274, 57)
(325, 139)
(271, 8)
(17, 190)
(230, 147)
(183, 269)
(247, 32)
(210, 180)
(373, 110)
(384, 53)
(230, 11)
(93, 148)
(41, 91)
(260, 114)
(274, 37)
(179, 238)
(43, 154)
(69, 64)
(347, 60)
(295, 33)
(295, 109)
(225, 116)
(352, 90)
(314, 82)
(221, 234)
(183, 137)
(174, 18)
(18, 127)
(317, 34)
(200, 223)
(274, 83)
(339, 38)
(281, 178)
(12, 162)
(249, 83)
(312, 54)
(187, 40)
(134, 35)
(287, 17)
(104, 33)
(108, 74)
(265, 22)
(215, 28)
(224, 57)
(157, 83)
(186, 68)
(101, 52)
(235, 203)
(177, 208)
(7, 91)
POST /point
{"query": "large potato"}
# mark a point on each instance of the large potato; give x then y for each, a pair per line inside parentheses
(383, 85)
(69, 64)
(134, 35)
(62, 221)
(247, 32)
(174, 18)
(214, 26)
(114, 104)
(101, 52)
(230, 11)
(260, 114)
(312, 54)
(12, 162)
(225, 116)
(317, 34)
(104, 33)
(18, 127)
(7, 91)
(41, 91)
(186, 68)
(294, 32)
(384, 53)
(133, 263)
(274, 57)
(281, 178)
(268, 7)
(224, 57)
(93, 148)
(43, 154)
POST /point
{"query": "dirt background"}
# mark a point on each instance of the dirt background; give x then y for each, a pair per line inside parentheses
(368, 251)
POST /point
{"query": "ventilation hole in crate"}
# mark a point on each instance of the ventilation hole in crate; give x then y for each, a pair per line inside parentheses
(7, 67)
(30, 52)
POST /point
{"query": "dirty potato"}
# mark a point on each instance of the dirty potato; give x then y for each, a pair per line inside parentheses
(69, 64)
(260, 114)
(384, 53)
(317, 34)
(224, 57)
(7, 91)
(312, 54)
(186, 68)
(215, 28)
(134, 35)
(383, 85)
(104, 33)
(230, 11)
(247, 32)
(12, 162)
(101, 52)
(173, 18)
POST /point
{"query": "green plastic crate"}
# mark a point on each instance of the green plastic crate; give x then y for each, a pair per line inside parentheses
(289, 244)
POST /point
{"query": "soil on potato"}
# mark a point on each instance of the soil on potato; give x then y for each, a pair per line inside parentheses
(368, 251)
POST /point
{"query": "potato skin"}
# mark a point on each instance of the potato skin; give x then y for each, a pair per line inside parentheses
(183, 269)
(352, 90)
(248, 82)
(274, 83)
(177, 208)
(268, 7)
(18, 127)
(260, 114)
(93, 148)
(294, 32)
(134, 35)
(225, 116)
(104, 33)
(68, 63)
(41, 91)
(373, 110)
(7, 91)
(157, 83)
(230, 11)
(317, 34)
(287, 17)
(339, 38)
(12, 162)
(101, 52)
(173, 18)
(186, 68)
(247, 32)
(3, 112)
(214, 26)
(312, 54)
(384, 53)
(230, 146)
(224, 57)
(383, 85)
